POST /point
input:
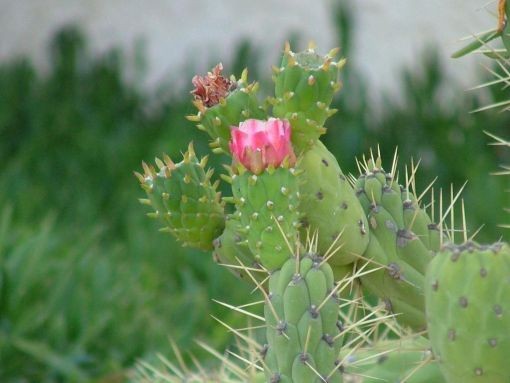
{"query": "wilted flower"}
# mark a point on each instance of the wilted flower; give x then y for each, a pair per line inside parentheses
(212, 87)
(258, 144)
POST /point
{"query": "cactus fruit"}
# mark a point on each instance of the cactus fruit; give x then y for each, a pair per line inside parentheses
(467, 295)
(184, 199)
(401, 360)
(304, 87)
(223, 103)
(301, 313)
(267, 209)
(402, 241)
(330, 207)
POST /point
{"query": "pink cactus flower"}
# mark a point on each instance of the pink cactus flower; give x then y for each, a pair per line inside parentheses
(260, 144)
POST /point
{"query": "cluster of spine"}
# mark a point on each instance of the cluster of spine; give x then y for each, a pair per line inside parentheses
(468, 311)
(403, 239)
(303, 331)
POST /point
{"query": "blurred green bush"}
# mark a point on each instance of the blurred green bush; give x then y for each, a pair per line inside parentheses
(87, 284)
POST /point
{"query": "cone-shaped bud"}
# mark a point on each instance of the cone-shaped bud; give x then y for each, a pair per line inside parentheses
(184, 199)
(222, 103)
(304, 88)
(468, 311)
(258, 144)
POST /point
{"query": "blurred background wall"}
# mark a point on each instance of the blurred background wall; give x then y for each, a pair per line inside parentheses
(389, 34)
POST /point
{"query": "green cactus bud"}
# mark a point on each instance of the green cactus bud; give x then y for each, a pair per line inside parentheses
(330, 207)
(468, 312)
(301, 316)
(223, 103)
(304, 87)
(267, 208)
(184, 199)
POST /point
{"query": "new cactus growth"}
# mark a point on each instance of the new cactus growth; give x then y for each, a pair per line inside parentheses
(304, 87)
(183, 198)
(222, 103)
(468, 313)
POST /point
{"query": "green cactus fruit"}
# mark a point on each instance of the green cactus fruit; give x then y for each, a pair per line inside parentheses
(403, 241)
(468, 313)
(267, 207)
(184, 199)
(237, 102)
(330, 207)
(304, 87)
(231, 250)
(400, 360)
(301, 314)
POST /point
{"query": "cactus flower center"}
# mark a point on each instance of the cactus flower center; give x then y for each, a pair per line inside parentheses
(212, 87)
(258, 144)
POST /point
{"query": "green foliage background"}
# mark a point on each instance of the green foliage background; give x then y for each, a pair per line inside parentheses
(87, 284)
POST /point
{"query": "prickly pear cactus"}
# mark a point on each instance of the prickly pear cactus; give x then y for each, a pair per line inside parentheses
(330, 207)
(304, 87)
(402, 241)
(301, 314)
(183, 198)
(468, 312)
(223, 103)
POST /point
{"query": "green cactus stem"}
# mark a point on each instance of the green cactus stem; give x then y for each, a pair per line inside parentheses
(330, 207)
(267, 208)
(468, 312)
(403, 240)
(183, 198)
(301, 312)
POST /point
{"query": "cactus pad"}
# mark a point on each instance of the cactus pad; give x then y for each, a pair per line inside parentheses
(304, 87)
(184, 199)
(468, 312)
